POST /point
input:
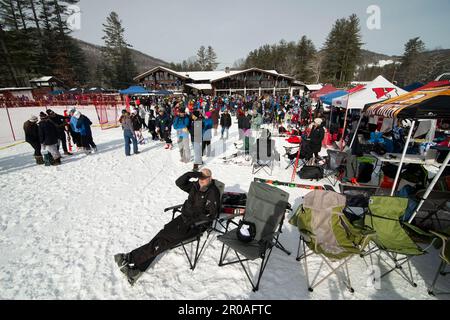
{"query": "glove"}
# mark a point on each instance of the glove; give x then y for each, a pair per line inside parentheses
(196, 174)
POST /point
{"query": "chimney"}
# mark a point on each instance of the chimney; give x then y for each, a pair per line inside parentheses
(227, 70)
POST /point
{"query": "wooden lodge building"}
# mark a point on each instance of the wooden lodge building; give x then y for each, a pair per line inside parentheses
(244, 82)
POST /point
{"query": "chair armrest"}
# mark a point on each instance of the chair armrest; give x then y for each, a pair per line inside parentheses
(173, 208)
(201, 223)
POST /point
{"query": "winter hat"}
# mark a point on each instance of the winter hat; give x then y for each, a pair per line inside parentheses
(134, 111)
(72, 111)
(77, 114)
(49, 111)
(318, 121)
(208, 114)
(33, 119)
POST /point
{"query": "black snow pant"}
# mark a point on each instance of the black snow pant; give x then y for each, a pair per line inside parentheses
(87, 142)
(37, 148)
(175, 232)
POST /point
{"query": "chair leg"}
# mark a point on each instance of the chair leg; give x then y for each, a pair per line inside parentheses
(440, 271)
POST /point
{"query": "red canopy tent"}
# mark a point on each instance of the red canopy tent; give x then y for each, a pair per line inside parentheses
(359, 87)
(325, 90)
(434, 84)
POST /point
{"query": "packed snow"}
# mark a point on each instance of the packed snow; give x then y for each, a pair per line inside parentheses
(60, 227)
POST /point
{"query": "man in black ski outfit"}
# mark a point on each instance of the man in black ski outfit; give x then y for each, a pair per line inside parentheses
(202, 205)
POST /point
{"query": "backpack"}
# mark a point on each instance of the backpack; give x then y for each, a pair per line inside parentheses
(311, 172)
(365, 172)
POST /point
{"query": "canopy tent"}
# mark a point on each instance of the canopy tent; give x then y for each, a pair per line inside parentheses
(328, 98)
(134, 90)
(314, 87)
(377, 90)
(432, 103)
(325, 90)
(413, 86)
(359, 87)
(434, 84)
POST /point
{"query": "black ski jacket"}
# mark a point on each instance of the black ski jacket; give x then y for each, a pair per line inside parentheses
(200, 205)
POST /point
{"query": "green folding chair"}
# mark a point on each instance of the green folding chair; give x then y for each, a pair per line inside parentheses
(445, 259)
(393, 237)
(325, 231)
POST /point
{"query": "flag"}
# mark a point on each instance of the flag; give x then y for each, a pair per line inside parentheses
(340, 102)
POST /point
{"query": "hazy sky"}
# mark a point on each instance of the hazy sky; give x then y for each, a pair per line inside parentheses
(173, 30)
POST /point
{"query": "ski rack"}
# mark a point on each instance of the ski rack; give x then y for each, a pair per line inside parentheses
(294, 185)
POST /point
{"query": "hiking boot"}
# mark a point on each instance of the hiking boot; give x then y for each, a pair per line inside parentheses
(137, 152)
(56, 162)
(39, 159)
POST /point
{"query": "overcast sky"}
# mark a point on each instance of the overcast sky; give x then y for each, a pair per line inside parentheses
(174, 30)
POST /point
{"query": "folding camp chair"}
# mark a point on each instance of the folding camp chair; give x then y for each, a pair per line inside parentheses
(206, 226)
(335, 164)
(435, 211)
(325, 231)
(264, 154)
(393, 236)
(445, 257)
(265, 207)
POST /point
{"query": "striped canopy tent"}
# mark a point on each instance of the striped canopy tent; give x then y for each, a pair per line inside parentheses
(432, 103)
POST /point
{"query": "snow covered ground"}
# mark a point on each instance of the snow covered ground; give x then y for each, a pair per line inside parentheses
(60, 227)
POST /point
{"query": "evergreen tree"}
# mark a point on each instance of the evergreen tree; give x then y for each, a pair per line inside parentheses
(118, 67)
(211, 58)
(342, 51)
(412, 61)
(305, 53)
(202, 58)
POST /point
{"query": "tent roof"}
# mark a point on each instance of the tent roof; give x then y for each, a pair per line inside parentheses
(431, 103)
(328, 98)
(434, 84)
(377, 90)
(413, 86)
(325, 90)
(359, 87)
(133, 90)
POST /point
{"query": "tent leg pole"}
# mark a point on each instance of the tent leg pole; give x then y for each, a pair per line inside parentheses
(431, 186)
(356, 130)
(397, 176)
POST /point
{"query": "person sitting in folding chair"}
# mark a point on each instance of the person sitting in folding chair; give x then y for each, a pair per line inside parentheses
(264, 153)
(201, 207)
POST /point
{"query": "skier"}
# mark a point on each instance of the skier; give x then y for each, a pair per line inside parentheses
(163, 124)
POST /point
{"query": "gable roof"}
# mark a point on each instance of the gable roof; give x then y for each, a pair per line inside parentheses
(178, 74)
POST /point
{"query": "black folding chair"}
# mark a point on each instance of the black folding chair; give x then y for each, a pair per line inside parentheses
(205, 226)
(266, 207)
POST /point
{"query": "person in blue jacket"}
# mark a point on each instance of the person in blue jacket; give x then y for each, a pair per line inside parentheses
(208, 125)
(84, 127)
(181, 124)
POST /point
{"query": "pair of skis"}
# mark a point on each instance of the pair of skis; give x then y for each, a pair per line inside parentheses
(294, 185)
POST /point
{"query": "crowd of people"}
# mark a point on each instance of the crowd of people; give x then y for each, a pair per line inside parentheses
(52, 131)
(196, 119)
